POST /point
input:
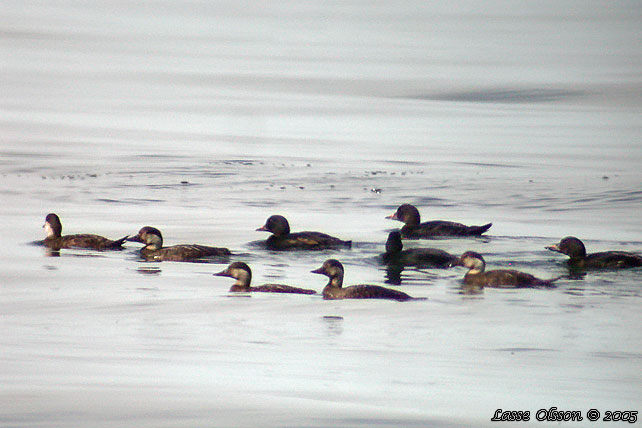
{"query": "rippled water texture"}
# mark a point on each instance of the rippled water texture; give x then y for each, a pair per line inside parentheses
(204, 118)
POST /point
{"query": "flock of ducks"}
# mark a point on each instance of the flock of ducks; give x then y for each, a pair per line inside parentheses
(281, 239)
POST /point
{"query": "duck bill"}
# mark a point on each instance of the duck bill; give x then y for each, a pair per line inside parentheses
(222, 273)
(135, 239)
(392, 216)
(319, 271)
(262, 229)
(554, 247)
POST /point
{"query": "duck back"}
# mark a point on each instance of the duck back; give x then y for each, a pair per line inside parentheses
(442, 228)
(609, 260)
(305, 241)
(364, 291)
(178, 253)
(505, 279)
(86, 241)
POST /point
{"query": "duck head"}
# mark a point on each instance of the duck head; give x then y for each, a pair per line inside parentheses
(407, 214)
(150, 236)
(571, 246)
(277, 224)
(53, 226)
(333, 269)
(473, 261)
(239, 271)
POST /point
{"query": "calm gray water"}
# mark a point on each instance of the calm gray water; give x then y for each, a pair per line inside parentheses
(204, 118)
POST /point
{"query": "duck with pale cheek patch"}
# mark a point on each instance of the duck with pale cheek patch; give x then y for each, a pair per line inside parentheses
(154, 250)
(501, 278)
(574, 248)
(56, 241)
(413, 228)
(334, 290)
(243, 275)
(282, 239)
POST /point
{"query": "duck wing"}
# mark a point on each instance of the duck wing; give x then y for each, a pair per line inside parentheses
(613, 259)
(89, 241)
(365, 291)
(443, 228)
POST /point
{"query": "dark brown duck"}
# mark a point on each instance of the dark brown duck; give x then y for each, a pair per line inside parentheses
(154, 250)
(501, 278)
(282, 239)
(334, 290)
(413, 228)
(243, 275)
(423, 257)
(56, 241)
(574, 248)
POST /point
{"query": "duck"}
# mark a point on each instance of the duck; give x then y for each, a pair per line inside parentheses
(333, 269)
(429, 257)
(154, 250)
(575, 249)
(55, 240)
(501, 278)
(413, 227)
(282, 239)
(243, 275)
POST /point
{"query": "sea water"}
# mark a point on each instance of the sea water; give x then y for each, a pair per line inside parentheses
(204, 118)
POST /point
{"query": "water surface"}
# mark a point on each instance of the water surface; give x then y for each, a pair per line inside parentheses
(204, 118)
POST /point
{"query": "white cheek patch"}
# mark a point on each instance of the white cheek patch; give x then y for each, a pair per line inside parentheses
(49, 230)
(475, 265)
(156, 241)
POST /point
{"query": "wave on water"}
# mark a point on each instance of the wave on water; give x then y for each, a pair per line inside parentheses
(506, 95)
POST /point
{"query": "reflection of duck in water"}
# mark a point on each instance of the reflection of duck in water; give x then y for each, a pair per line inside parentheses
(243, 275)
(56, 241)
(574, 248)
(426, 257)
(154, 250)
(501, 278)
(333, 269)
(282, 239)
(413, 227)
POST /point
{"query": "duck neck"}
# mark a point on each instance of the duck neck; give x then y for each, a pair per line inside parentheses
(51, 232)
(336, 281)
(393, 247)
(243, 280)
(413, 218)
(154, 243)
(476, 270)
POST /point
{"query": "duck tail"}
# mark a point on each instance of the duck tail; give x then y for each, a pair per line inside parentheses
(549, 282)
(478, 230)
(119, 242)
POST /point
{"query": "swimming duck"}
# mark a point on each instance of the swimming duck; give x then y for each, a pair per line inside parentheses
(574, 248)
(282, 239)
(333, 269)
(243, 275)
(432, 257)
(56, 241)
(501, 278)
(413, 227)
(154, 250)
